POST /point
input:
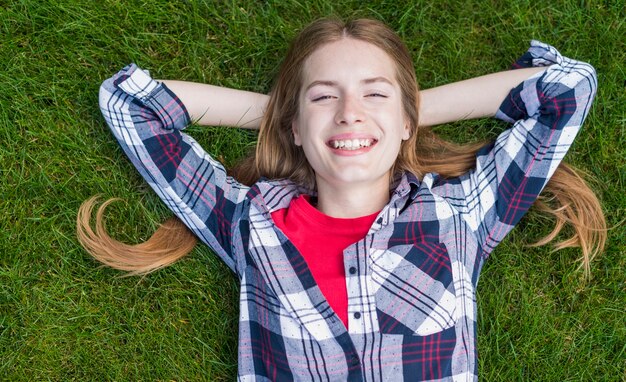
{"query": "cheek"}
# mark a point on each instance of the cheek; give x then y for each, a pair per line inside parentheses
(307, 128)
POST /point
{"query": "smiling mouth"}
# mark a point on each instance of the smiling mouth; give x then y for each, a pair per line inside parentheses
(351, 144)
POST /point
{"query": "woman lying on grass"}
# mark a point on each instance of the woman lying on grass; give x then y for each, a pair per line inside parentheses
(357, 234)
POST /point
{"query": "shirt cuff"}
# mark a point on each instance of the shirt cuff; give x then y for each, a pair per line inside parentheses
(137, 83)
(523, 100)
(539, 54)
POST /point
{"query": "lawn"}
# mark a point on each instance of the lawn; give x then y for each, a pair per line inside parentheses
(62, 317)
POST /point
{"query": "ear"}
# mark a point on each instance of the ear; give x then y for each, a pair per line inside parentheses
(406, 133)
(296, 134)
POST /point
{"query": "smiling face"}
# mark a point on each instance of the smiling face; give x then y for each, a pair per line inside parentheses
(350, 120)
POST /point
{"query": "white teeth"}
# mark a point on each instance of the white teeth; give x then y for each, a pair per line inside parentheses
(351, 144)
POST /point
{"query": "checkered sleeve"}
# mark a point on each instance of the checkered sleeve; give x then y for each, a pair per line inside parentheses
(547, 111)
(147, 118)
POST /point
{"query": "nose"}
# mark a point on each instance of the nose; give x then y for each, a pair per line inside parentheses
(349, 111)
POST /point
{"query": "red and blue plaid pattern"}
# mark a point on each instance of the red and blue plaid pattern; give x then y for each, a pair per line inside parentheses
(411, 301)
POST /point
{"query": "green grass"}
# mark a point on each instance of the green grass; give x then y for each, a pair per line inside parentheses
(64, 318)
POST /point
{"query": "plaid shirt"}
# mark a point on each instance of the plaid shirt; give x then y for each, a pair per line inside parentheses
(411, 280)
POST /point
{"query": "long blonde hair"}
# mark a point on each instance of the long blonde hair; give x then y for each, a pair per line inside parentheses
(566, 197)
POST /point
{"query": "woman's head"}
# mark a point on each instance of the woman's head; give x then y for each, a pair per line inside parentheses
(277, 154)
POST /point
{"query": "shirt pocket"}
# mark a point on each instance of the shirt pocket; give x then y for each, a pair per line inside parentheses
(414, 286)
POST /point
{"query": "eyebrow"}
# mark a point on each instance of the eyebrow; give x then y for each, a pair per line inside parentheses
(334, 83)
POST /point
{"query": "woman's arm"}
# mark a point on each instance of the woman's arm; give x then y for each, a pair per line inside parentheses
(147, 119)
(546, 111)
(217, 106)
(473, 98)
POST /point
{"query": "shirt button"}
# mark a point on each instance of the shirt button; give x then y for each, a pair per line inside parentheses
(354, 360)
(352, 270)
(357, 315)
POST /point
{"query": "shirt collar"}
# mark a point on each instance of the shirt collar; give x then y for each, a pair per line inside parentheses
(278, 193)
(407, 184)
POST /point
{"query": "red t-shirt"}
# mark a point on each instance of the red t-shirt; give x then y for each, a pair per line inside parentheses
(321, 240)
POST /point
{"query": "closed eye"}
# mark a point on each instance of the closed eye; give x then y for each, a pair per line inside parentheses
(376, 95)
(322, 98)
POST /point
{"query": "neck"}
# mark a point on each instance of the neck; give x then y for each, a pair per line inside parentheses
(351, 201)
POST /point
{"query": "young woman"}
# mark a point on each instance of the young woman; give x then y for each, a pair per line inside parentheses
(361, 235)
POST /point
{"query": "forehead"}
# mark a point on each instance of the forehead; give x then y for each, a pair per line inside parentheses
(348, 59)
